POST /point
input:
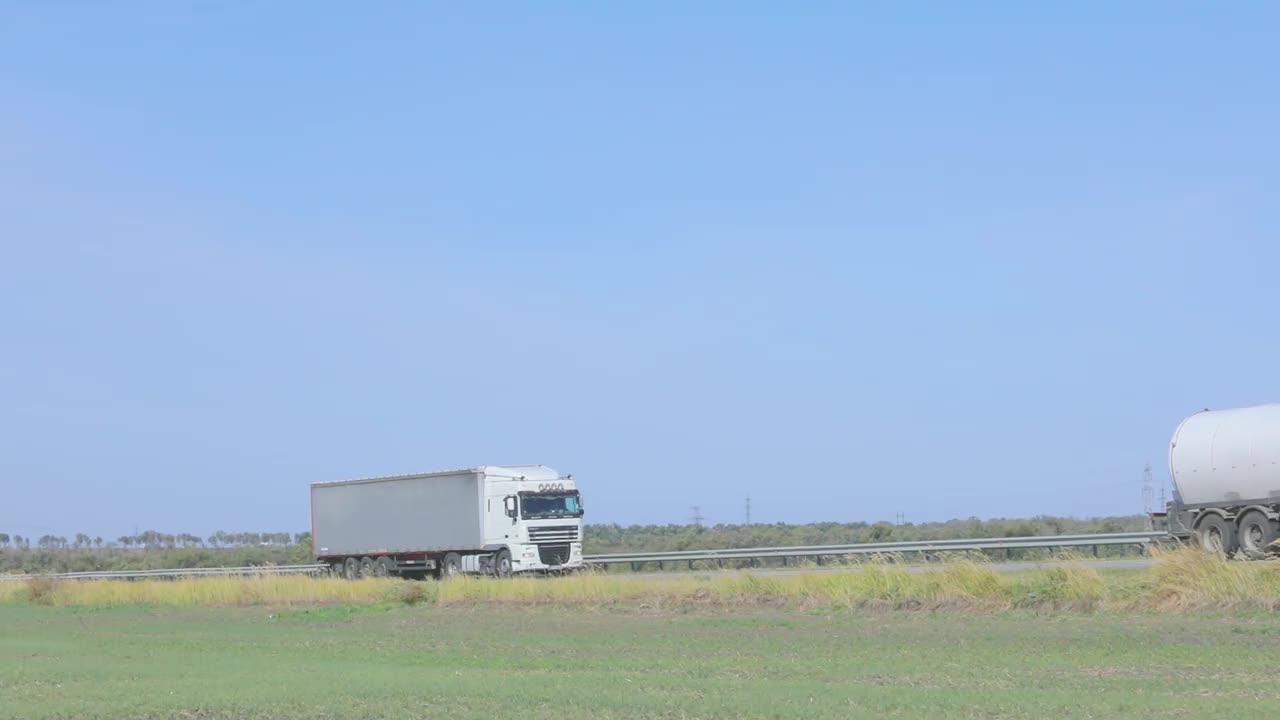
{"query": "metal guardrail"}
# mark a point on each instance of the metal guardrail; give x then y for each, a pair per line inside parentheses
(922, 546)
(818, 551)
(179, 572)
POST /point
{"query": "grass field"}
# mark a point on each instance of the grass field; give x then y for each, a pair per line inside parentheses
(397, 661)
(1194, 636)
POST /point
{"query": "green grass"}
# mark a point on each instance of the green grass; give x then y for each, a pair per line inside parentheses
(394, 661)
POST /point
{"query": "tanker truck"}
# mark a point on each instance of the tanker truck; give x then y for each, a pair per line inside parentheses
(1225, 469)
(493, 519)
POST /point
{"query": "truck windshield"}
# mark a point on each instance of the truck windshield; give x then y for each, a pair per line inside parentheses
(550, 505)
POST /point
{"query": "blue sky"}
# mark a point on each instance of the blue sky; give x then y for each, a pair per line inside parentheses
(850, 259)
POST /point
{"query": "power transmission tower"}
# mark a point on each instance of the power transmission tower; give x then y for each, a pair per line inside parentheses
(696, 518)
(748, 510)
(1148, 494)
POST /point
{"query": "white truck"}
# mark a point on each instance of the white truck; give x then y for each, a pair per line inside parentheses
(494, 520)
(1225, 468)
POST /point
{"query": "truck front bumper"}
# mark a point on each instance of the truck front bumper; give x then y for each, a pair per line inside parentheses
(546, 557)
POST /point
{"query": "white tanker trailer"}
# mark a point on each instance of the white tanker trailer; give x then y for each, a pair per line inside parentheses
(1225, 468)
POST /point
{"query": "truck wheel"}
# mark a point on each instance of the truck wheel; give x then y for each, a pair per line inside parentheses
(1256, 533)
(502, 563)
(1216, 535)
(366, 567)
(351, 569)
(383, 567)
(450, 566)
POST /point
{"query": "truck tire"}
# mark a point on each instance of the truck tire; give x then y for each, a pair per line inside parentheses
(1216, 535)
(383, 566)
(502, 563)
(351, 568)
(450, 566)
(366, 567)
(1256, 533)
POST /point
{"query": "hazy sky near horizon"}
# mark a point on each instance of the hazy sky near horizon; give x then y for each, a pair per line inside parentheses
(851, 259)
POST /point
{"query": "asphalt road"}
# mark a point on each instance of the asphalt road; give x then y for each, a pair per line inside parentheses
(1119, 564)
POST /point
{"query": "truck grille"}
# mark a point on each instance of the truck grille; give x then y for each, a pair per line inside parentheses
(553, 534)
(553, 554)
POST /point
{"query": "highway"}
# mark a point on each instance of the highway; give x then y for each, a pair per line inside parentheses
(1016, 566)
(817, 554)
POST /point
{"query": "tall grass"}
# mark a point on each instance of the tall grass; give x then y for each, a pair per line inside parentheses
(1179, 580)
(1069, 583)
(1193, 580)
(272, 590)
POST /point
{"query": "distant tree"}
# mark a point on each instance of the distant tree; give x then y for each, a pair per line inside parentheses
(4, 539)
(97, 542)
(125, 540)
(83, 540)
(881, 531)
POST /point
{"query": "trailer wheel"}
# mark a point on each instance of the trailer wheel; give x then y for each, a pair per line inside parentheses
(366, 567)
(382, 567)
(502, 563)
(351, 568)
(1256, 533)
(1216, 535)
(450, 566)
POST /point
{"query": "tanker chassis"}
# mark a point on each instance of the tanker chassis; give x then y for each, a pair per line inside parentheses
(494, 520)
(1225, 469)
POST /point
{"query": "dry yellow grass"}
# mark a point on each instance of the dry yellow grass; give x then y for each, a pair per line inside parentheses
(1072, 583)
(274, 590)
(1180, 580)
(1193, 580)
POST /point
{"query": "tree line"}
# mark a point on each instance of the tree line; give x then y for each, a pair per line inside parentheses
(152, 539)
(615, 538)
(153, 549)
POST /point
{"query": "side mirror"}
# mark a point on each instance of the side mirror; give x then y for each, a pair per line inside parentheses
(509, 504)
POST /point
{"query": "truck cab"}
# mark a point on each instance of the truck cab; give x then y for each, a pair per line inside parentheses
(536, 514)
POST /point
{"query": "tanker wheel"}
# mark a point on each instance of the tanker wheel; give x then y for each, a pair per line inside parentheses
(351, 569)
(382, 568)
(502, 563)
(1216, 535)
(450, 566)
(366, 567)
(1256, 533)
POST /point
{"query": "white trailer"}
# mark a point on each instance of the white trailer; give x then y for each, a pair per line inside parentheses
(494, 519)
(1225, 468)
